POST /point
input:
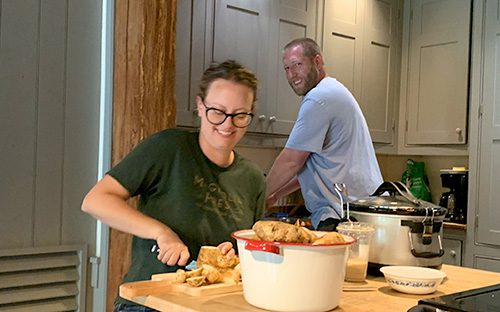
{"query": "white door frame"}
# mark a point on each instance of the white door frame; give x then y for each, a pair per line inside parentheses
(100, 277)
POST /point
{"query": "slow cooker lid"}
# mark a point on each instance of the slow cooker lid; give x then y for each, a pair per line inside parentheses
(395, 198)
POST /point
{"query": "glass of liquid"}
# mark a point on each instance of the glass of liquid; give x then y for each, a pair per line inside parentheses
(357, 263)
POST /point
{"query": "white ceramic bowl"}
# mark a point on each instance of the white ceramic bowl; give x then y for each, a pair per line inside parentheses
(291, 276)
(413, 279)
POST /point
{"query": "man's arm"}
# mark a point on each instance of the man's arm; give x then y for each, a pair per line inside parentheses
(282, 178)
(289, 188)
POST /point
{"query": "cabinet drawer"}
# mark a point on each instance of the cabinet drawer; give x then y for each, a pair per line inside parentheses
(452, 251)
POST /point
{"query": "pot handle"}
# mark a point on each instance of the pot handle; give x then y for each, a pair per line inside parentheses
(262, 246)
(426, 254)
(396, 187)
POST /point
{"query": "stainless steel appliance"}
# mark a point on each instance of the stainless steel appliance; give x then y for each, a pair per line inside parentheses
(408, 231)
(455, 200)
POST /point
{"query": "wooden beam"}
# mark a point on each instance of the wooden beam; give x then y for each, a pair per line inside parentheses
(143, 96)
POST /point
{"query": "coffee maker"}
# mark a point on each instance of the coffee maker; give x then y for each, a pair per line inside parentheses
(455, 200)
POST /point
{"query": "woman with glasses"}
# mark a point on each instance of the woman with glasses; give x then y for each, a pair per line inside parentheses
(194, 188)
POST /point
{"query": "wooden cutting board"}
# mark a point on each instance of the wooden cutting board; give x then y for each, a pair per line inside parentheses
(166, 283)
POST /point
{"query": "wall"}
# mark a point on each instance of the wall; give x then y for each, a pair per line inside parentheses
(262, 156)
(391, 166)
(49, 121)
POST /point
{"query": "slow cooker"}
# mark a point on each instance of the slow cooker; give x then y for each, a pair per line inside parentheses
(408, 231)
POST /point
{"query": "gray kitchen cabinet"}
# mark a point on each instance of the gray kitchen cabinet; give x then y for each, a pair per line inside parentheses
(362, 49)
(190, 34)
(483, 243)
(251, 32)
(292, 19)
(452, 251)
(487, 263)
(438, 72)
(488, 209)
(239, 32)
(453, 243)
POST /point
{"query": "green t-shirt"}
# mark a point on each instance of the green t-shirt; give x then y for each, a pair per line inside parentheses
(178, 185)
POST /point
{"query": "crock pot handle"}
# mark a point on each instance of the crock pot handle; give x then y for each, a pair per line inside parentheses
(262, 246)
(426, 254)
(396, 188)
(385, 187)
(406, 193)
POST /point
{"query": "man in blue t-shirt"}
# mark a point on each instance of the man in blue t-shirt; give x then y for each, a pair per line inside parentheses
(329, 143)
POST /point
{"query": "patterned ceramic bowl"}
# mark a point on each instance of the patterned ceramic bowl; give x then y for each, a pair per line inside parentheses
(413, 279)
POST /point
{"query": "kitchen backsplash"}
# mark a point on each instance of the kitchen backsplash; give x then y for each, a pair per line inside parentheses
(392, 166)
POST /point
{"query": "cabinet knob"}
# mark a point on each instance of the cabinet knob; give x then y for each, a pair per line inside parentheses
(262, 117)
(272, 118)
(195, 111)
(458, 130)
(453, 253)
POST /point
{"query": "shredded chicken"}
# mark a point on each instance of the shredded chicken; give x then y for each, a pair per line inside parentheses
(212, 267)
(277, 231)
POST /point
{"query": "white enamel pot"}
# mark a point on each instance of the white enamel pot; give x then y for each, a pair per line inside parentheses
(291, 276)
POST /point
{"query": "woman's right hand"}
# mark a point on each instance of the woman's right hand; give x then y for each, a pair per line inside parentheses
(172, 249)
(107, 201)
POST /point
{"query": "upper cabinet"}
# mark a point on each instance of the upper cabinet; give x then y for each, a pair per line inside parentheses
(488, 162)
(438, 71)
(251, 32)
(483, 238)
(239, 33)
(292, 19)
(190, 49)
(406, 62)
(362, 49)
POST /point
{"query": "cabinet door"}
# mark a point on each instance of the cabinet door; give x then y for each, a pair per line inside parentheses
(217, 31)
(190, 58)
(251, 32)
(238, 32)
(342, 42)
(240, 29)
(379, 75)
(361, 43)
(488, 222)
(487, 263)
(438, 72)
(294, 19)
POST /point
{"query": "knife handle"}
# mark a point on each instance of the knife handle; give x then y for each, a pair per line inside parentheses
(155, 248)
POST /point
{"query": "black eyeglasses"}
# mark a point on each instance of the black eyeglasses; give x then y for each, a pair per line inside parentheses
(217, 117)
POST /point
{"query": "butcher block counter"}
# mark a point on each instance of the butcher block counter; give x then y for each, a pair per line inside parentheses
(374, 295)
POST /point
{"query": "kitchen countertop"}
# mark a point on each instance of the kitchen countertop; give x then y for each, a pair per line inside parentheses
(454, 226)
(382, 298)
